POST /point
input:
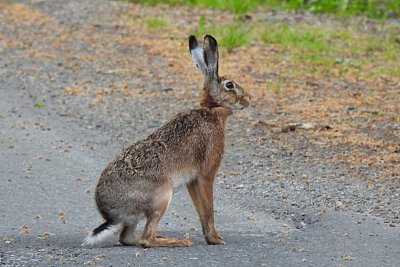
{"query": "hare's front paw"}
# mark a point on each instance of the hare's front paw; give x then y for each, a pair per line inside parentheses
(215, 240)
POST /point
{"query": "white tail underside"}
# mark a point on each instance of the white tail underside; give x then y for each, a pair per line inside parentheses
(95, 239)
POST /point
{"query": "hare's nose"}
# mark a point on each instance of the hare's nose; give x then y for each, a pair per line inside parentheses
(244, 101)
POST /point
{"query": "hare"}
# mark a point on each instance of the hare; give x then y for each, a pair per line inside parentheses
(187, 150)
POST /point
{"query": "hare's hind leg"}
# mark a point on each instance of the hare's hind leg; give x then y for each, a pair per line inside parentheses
(149, 237)
(127, 236)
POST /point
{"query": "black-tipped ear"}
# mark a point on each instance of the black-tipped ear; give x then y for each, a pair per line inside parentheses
(197, 54)
(192, 42)
(211, 53)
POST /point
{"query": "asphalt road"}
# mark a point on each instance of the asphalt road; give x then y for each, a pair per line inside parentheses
(39, 180)
(51, 159)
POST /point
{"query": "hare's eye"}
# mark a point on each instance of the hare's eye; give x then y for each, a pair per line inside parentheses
(229, 85)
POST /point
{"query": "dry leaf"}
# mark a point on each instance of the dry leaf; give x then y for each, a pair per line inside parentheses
(46, 235)
(103, 91)
(100, 257)
(25, 229)
(89, 261)
(98, 100)
(348, 258)
(61, 213)
(251, 218)
(75, 90)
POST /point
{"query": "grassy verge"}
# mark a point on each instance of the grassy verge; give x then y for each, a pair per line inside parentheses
(305, 48)
(371, 8)
(231, 35)
(234, 6)
(154, 22)
(323, 50)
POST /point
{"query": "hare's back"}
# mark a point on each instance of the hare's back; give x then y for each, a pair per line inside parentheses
(182, 142)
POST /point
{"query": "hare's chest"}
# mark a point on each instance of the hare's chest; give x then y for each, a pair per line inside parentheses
(183, 177)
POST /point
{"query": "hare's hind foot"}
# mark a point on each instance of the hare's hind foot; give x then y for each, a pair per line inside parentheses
(161, 241)
(149, 237)
(127, 236)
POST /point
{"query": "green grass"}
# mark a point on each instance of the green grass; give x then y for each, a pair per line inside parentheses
(317, 49)
(320, 48)
(234, 35)
(371, 8)
(38, 105)
(154, 22)
(314, 38)
(230, 36)
(234, 6)
(305, 43)
(275, 86)
(202, 26)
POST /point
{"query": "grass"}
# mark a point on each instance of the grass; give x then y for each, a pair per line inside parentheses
(230, 36)
(150, 22)
(370, 8)
(303, 37)
(320, 49)
(323, 48)
(234, 35)
(234, 6)
(201, 26)
(275, 86)
(306, 49)
(154, 22)
(311, 44)
(39, 105)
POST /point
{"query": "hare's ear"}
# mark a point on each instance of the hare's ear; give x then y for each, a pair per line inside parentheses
(197, 54)
(211, 54)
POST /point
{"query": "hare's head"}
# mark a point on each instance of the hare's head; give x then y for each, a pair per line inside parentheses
(218, 91)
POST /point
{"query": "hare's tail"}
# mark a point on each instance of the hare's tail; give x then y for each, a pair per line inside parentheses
(102, 232)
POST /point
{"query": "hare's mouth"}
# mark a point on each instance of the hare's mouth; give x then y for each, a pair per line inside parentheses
(244, 101)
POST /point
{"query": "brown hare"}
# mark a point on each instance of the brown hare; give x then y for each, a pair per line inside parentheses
(187, 150)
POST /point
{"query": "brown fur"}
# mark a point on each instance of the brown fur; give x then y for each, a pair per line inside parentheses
(187, 150)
